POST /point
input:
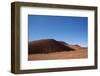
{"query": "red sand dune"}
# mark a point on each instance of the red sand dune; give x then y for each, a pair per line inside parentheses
(47, 46)
(48, 49)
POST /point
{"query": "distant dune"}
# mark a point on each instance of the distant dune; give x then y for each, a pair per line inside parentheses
(48, 49)
(47, 46)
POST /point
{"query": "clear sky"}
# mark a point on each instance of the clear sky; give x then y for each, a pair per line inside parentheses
(72, 30)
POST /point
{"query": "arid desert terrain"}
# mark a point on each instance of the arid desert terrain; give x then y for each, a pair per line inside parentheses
(50, 49)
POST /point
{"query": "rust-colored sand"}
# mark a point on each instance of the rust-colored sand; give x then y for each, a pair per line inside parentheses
(76, 54)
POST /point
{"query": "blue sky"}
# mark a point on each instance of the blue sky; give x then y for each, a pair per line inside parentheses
(72, 30)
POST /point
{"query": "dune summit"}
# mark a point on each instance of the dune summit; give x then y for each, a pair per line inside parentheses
(47, 46)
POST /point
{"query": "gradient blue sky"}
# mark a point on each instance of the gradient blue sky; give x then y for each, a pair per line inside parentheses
(72, 30)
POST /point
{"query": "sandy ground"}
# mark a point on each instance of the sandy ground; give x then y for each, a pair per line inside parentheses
(76, 54)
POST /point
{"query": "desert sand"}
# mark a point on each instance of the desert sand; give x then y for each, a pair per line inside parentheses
(50, 49)
(77, 54)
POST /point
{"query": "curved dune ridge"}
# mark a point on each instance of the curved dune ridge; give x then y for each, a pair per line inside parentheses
(47, 46)
(50, 49)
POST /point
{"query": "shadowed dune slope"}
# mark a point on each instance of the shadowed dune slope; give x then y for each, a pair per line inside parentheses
(47, 46)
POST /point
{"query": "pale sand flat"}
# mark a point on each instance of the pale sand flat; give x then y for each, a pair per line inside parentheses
(76, 54)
